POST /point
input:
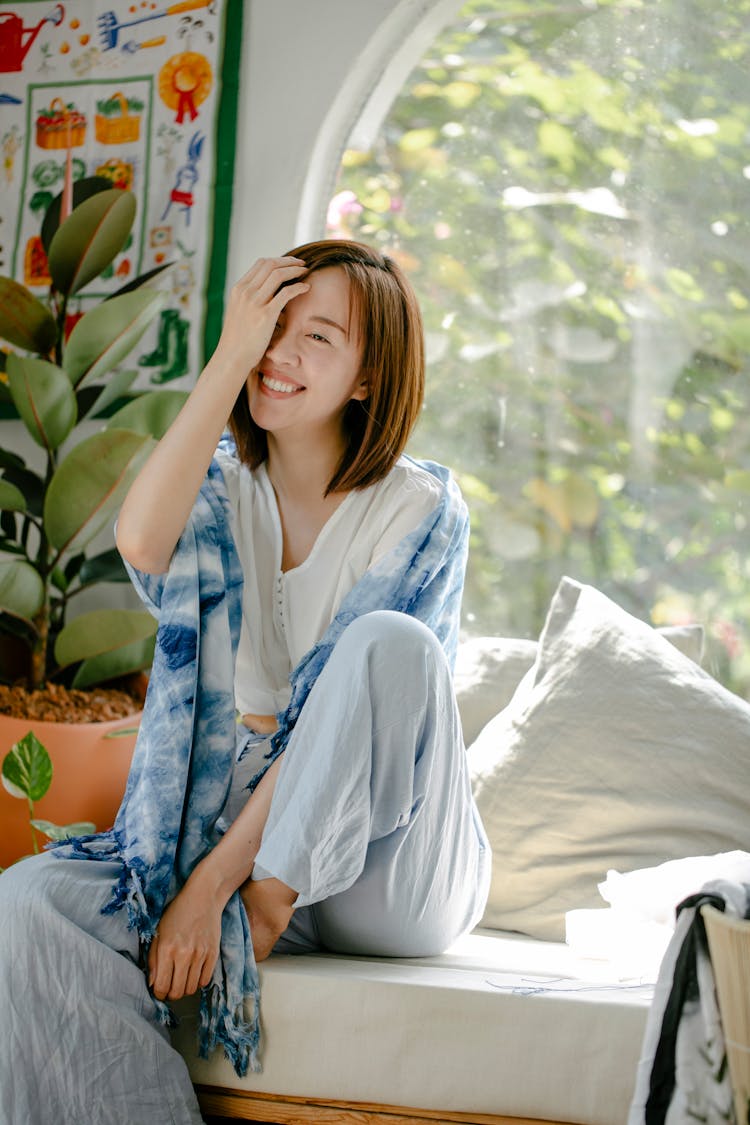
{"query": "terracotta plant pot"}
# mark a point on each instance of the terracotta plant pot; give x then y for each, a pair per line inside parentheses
(90, 763)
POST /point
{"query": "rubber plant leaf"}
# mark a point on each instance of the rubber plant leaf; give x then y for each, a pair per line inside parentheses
(27, 769)
(134, 657)
(24, 321)
(105, 334)
(11, 498)
(105, 567)
(100, 631)
(44, 398)
(115, 387)
(82, 189)
(152, 413)
(145, 279)
(27, 482)
(21, 589)
(90, 238)
(90, 484)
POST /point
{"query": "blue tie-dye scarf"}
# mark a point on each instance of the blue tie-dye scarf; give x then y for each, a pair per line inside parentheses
(187, 743)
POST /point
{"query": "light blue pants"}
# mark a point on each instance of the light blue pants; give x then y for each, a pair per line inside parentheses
(372, 819)
(372, 822)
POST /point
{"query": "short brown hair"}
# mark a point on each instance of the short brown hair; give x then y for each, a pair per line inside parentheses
(390, 328)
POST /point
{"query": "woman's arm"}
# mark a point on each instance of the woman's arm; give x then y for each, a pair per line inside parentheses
(160, 499)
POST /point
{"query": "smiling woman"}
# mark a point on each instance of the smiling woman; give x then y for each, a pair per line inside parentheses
(309, 576)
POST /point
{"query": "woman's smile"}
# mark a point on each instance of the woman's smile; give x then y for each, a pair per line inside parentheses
(273, 385)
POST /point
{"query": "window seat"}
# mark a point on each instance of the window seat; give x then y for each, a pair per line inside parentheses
(500, 1028)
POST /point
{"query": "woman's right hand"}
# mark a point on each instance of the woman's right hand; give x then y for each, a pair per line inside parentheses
(254, 306)
(184, 949)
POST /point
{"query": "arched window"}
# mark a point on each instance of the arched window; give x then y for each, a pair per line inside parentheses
(568, 186)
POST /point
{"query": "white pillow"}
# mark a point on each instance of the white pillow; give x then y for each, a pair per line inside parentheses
(488, 671)
(616, 751)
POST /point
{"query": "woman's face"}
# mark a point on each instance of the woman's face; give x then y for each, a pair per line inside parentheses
(312, 366)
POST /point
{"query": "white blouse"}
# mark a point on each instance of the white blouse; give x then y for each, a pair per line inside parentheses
(285, 613)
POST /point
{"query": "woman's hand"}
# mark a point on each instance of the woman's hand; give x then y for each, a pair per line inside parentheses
(253, 308)
(185, 948)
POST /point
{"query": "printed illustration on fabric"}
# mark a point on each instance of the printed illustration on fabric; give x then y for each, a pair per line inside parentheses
(130, 92)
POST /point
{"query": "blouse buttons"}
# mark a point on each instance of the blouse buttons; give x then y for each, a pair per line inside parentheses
(280, 598)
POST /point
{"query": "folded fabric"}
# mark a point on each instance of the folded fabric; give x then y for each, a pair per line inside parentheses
(634, 933)
(187, 742)
(683, 1075)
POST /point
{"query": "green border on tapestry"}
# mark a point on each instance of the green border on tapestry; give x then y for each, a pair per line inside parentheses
(226, 136)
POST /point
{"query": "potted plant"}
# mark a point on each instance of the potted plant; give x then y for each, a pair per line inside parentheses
(91, 432)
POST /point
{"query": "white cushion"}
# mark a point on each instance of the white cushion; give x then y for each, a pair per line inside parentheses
(488, 671)
(499, 1024)
(616, 751)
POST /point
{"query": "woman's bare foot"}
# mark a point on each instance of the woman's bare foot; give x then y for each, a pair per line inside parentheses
(269, 904)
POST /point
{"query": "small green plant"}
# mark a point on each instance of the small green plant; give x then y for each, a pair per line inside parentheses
(63, 384)
(27, 774)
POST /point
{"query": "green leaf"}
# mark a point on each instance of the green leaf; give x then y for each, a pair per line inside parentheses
(134, 657)
(11, 498)
(27, 769)
(90, 484)
(102, 630)
(63, 831)
(738, 479)
(558, 143)
(144, 279)
(90, 239)
(25, 321)
(82, 189)
(106, 334)
(115, 387)
(27, 482)
(151, 413)
(44, 398)
(21, 589)
(105, 567)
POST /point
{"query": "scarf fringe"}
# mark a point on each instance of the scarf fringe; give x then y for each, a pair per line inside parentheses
(220, 1025)
(128, 891)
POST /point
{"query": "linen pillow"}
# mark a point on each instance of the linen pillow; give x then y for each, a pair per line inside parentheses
(616, 751)
(488, 671)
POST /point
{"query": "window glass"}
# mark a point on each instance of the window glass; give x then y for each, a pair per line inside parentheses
(568, 187)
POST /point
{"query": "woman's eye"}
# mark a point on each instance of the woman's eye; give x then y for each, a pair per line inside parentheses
(317, 337)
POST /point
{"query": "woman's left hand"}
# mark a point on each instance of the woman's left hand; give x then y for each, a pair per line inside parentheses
(185, 948)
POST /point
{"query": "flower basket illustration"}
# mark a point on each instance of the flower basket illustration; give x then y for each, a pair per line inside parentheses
(60, 126)
(114, 123)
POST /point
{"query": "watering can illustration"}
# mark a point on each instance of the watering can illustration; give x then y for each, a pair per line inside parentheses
(16, 40)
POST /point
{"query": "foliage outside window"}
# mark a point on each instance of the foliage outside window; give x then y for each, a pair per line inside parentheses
(568, 186)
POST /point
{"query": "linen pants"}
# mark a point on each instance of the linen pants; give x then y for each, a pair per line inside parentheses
(372, 823)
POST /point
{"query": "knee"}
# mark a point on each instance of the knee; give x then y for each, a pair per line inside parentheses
(22, 889)
(25, 882)
(394, 636)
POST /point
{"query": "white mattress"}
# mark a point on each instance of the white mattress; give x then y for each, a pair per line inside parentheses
(498, 1024)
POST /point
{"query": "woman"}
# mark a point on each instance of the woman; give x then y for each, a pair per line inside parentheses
(346, 821)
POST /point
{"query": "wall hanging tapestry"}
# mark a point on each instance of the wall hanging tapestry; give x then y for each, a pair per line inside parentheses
(144, 94)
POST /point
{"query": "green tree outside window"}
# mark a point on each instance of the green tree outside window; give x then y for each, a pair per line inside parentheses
(568, 186)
